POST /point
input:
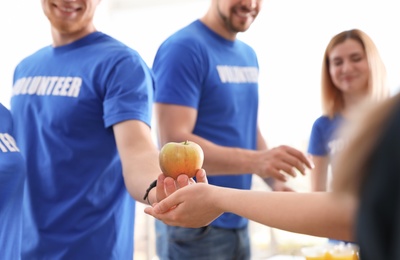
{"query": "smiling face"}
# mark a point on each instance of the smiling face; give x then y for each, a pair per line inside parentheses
(238, 15)
(348, 67)
(70, 17)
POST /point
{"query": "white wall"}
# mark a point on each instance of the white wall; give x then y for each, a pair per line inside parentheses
(289, 37)
(22, 31)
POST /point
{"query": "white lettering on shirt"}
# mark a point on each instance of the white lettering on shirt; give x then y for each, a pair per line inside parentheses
(337, 145)
(49, 86)
(7, 143)
(235, 74)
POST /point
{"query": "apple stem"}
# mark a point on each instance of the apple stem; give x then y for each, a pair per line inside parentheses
(186, 142)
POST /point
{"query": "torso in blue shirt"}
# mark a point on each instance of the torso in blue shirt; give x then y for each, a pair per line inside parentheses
(323, 139)
(12, 177)
(65, 101)
(198, 68)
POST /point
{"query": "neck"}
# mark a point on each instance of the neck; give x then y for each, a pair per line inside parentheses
(351, 101)
(63, 38)
(215, 23)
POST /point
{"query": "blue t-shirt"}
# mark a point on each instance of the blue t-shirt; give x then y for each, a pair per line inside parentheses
(12, 178)
(65, 102)
(323, 139)
(197, 68)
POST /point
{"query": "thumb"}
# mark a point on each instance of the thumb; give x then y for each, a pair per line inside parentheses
(165, 205)
(201, 176)
(149, 210)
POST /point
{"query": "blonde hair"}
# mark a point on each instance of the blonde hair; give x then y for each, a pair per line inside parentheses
(332, 99)
(363, 134)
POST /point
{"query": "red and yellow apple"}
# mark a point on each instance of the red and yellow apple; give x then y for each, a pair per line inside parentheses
(178, 158)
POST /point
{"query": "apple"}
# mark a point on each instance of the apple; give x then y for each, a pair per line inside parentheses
(178, 158)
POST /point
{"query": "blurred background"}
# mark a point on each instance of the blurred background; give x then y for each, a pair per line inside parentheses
(289, 36)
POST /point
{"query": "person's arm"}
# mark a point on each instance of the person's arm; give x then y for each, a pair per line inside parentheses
(140, 163)
(176, 124)
(319, 213)
(319, 174)
(139, 157)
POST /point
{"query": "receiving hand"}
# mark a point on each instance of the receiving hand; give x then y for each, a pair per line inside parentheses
(167, 185)
(191, 206)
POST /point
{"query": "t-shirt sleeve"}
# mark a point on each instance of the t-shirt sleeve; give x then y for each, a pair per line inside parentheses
(317, 144)
(178, 73)
(129, 92)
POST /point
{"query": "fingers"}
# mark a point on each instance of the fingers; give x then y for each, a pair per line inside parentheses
(293, 161)
(169, 186)
(302, 159)
(160, 191)
(284, 161)
(287, 168)
(281, 186)
(182, 181)
(161, 207)
(278, 175)
(201, 176)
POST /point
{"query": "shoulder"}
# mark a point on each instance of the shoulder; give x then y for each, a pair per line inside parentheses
(323, 120)
(193, 32)
(187, 46)
(326, 124)
(244, 46)
(189, 38)
(38, 54)
(110, 46)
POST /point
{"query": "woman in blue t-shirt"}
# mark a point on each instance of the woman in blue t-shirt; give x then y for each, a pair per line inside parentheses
(352, 70)
(12, 177)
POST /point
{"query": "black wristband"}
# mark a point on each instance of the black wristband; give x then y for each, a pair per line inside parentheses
(146, 195)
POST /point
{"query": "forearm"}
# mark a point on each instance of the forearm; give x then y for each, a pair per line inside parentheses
(318, 214)
(319, 175)
(139, 173)
(139, 157)
(318, 181)
(224, 160)
(177, 123)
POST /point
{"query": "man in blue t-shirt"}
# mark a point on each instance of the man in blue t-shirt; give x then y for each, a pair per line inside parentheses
(12, 178)
(82, 109)
(207, 92)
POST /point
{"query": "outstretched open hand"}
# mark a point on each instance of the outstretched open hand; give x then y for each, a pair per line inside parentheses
(167, 185)
(187, 207)
(187, 202)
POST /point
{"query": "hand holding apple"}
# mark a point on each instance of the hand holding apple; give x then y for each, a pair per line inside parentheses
(181, 158)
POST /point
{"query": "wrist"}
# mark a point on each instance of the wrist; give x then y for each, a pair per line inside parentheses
(152, 198)
(147, 194)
